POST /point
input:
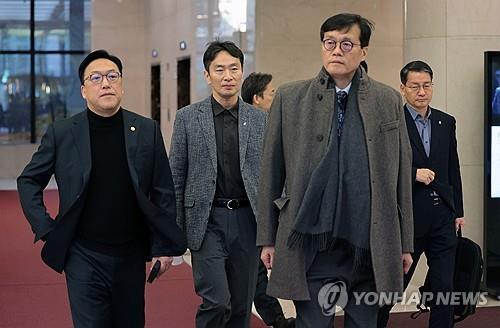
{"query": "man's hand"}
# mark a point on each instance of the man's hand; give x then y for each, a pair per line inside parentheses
(425, 176)
(267, 256)
(459, 223)
(407, 262)
(166, 263)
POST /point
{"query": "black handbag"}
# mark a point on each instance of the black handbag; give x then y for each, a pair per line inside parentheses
(467, 278)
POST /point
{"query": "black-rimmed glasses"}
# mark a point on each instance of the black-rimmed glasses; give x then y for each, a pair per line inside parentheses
(97, 78)
(345, 46)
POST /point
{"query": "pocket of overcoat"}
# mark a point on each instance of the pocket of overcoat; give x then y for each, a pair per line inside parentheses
(384, 127)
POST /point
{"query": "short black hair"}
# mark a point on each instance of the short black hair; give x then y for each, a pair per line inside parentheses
(415, 66)
(344, 22)
(254, 84)
(217, 46)
(97, 54)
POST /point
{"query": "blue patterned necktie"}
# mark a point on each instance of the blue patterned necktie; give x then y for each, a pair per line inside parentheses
(341, 106)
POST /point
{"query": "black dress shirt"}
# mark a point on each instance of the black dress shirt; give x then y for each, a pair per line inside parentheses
(229, 180)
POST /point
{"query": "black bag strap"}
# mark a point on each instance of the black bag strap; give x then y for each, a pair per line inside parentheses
(421, 309)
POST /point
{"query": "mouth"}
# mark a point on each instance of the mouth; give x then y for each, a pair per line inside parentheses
(107, 94)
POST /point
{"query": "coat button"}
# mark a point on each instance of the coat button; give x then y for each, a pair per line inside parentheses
(322, 81)
(320, 97)
(319, 137)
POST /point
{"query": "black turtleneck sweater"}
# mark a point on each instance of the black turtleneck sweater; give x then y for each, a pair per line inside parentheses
(111, 220)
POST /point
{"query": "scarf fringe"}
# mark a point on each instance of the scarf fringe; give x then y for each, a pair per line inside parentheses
(325, 242)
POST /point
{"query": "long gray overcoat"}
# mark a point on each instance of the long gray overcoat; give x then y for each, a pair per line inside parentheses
(295, 141)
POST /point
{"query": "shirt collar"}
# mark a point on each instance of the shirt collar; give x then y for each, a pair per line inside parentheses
(218, 109)
(331, 83)
(414, 114)
(346, 89)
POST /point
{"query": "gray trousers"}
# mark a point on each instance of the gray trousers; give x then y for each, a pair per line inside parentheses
(333, 267)
(225, 269)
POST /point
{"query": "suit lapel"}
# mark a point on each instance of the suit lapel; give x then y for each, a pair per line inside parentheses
(243, 131)
(131, 130)
(413, 134)
(206, 119)
(81, 136)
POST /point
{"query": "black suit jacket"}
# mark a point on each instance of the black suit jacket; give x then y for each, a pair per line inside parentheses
(443, 160)
(65, 152)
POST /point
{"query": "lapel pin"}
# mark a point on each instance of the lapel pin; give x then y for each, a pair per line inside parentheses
(244, 123)
(439, 122)
(132, 128)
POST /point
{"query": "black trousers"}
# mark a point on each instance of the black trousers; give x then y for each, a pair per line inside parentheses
(105, 291)
(267, 306)
(337, 267)
(439, 246)
(225, 269)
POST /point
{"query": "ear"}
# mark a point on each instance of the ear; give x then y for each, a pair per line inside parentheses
(364, 52)
(402, 89)
(82, 91)
(207, 77)
(255, 100)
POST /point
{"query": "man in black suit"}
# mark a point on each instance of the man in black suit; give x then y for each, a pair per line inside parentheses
(437, 189)
(117, 201)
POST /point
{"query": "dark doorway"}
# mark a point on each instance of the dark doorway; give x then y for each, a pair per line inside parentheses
(156, 93)
(183, 82)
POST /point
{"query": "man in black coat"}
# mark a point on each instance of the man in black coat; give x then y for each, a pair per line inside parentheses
(117, 201)
(437, 189)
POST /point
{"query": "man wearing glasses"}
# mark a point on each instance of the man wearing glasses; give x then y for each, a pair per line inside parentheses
(437, 187)
(117, 201)
(338, 145)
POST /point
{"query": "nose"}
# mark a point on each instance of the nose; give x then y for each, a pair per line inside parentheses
(336, 50)
(421, 91)
(227, 75)
(105, 83)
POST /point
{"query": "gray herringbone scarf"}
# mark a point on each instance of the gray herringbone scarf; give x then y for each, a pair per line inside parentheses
(335, 210)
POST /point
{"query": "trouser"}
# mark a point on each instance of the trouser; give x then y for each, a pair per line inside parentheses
(225, 269)
(268, 307)
(332, 279)
(439, 246)
(105, 290)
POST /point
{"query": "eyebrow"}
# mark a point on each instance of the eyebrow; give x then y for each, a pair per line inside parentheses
(222, 66)
(105, 72)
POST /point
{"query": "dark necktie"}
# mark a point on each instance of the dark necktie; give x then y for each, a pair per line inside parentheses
(341, 106)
